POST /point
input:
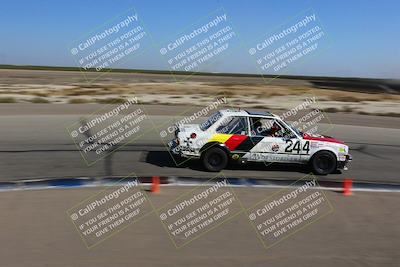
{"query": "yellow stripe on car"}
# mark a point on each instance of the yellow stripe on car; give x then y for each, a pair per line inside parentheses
(220, 138)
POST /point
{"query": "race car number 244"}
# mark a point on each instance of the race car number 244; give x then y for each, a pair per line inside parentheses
(296, 146)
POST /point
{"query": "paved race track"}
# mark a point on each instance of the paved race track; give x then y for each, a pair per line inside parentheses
(35, 144)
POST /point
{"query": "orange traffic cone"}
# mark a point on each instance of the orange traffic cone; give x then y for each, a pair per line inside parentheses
(347, 186)
(155, 185)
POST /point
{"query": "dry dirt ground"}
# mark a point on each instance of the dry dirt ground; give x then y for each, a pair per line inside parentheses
(18, 86)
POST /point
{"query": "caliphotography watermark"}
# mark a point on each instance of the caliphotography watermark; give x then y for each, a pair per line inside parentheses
(291, 43)
(198, 212)
(185, 138)
(289, 211)
(107, 213)
(109, 129)
(111, 44)
(308, 117)
(200, 44)
(286, 138)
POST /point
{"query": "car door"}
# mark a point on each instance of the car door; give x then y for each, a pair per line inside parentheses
(233, 132)
(271, 142)
(297, 149)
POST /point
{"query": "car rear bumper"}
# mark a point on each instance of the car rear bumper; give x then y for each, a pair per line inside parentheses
(181, 151)
(174, 147)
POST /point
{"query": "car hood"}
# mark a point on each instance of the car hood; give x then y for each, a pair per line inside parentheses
(317, 137)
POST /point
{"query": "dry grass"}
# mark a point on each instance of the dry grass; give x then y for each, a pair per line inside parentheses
(260, 95)
(260, 91)
(39, 100)
(40, 94)
(8, 100)
(78, 101)
(110, 100)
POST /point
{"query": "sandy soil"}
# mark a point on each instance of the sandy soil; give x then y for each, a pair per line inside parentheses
(67, 87)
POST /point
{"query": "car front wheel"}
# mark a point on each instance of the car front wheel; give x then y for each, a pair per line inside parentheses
(214, 159)
(323, 162)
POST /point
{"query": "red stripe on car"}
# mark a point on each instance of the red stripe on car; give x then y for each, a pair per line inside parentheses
(323, 139)
(234, 141)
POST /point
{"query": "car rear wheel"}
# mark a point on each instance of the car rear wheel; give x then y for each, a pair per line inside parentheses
(214, 159)
(323, 162)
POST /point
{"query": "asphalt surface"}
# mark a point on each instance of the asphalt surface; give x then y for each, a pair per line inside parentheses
(362, 230)
(34, 143)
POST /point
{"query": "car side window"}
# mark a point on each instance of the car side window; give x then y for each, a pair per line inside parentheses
(234, 125)
(266, 127)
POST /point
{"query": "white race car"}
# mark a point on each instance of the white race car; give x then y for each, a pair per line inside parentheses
(245, 136)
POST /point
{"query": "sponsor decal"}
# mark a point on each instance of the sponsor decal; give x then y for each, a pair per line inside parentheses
(315, 144)
(235, 156)
(275, 147)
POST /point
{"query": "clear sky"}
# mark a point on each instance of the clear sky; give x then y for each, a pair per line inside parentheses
(364, 35)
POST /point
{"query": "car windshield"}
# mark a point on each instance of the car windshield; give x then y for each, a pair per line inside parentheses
(289, 129)
(211, 120)
(295, 130)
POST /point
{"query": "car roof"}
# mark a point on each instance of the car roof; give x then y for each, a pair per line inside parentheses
(242, 112)
(260, 113)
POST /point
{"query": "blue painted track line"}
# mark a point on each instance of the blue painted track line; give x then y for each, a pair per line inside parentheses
(81, 182)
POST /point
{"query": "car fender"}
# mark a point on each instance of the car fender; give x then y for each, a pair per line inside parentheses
(217, 144)
(326, 148)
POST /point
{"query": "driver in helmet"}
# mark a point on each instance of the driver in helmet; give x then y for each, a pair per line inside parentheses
(274, 130)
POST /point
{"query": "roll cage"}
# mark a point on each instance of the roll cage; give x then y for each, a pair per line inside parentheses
(281, 123)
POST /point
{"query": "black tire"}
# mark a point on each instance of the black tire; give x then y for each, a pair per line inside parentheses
(214, 159)
(323, 163)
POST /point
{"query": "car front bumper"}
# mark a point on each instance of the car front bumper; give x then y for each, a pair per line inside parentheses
(343, 165)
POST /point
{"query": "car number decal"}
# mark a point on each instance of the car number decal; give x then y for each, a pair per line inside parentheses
(297, 147)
